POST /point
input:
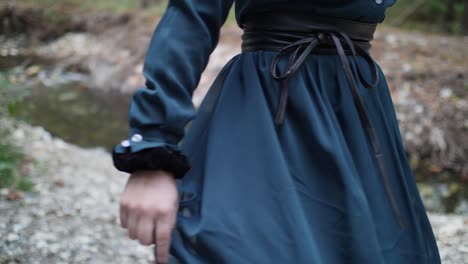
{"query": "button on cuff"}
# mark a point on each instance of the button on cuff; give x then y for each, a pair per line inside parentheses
(137, 138)
(125, 143)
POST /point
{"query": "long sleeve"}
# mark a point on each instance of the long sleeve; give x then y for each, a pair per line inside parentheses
(178, 53)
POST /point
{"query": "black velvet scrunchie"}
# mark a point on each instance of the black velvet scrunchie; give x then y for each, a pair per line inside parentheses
(164, 158)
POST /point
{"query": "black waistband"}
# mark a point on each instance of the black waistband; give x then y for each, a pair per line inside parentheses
(273, 31)
(296, 36)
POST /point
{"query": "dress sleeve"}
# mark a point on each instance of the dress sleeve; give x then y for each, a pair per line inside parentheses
(178, 53)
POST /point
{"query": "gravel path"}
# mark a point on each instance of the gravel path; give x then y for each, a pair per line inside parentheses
(73, 215)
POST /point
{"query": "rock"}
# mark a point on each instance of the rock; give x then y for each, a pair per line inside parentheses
(14, 195)
(452, 237)
(462, 208)
(12, 237)
(33, 70)
(446, 93)
(391, 39)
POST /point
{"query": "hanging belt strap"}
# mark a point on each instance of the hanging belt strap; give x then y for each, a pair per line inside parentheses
(300, 35)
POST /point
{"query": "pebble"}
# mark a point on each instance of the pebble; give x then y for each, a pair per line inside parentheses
(446, 92)
(12, 237)
(391, 39)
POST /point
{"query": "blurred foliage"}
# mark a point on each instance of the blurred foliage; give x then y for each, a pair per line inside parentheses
(111, 5)
(9, 96)
(59, 12)
(428, 15)
(156, 6)
(10, 160)
(11, 157)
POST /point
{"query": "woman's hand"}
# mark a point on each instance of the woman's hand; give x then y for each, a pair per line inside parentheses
(148, 209)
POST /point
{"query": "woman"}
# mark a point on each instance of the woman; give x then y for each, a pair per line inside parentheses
(295, 154)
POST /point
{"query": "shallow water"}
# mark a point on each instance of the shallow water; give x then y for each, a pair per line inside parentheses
(66, 107)
(77, 114)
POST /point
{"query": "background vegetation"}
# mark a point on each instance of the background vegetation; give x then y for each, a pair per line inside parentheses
(11, 156)
(428, 15)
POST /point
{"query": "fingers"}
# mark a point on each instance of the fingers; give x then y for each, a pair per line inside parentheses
(148, 210)
(162, 236)
(132, 225)
(140, 223)
(145, 230)
(123, 214)
(140, 226)
(162, 243)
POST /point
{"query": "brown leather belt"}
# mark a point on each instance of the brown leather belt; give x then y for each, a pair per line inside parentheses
(299, 35)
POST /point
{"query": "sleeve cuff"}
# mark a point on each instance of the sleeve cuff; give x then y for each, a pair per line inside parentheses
(149, 156)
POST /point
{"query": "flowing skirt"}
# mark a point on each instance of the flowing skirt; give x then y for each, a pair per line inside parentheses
(308, 191)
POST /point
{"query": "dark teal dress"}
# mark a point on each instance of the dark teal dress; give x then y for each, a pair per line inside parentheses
(305, 192)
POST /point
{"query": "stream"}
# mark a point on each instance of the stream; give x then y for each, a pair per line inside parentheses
(59, 101)
(76, 114)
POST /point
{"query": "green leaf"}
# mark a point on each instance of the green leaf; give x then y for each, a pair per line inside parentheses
(11, 108)
(25, 185)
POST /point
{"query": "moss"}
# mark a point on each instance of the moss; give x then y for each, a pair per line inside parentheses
(11, 156)
(453, 197)
(25, 185)
(10, 159)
